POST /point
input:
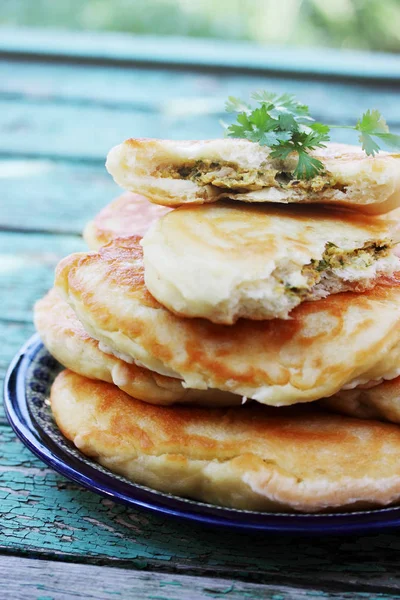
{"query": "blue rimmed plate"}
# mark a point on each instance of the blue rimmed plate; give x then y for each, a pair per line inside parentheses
(27, 388)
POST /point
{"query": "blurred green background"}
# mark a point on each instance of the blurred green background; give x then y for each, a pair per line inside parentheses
(361, 24)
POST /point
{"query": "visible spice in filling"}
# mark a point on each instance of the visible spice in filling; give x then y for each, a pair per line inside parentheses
(336, 258)
(228, 175)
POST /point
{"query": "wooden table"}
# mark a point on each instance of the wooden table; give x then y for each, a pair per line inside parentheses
(64, 101)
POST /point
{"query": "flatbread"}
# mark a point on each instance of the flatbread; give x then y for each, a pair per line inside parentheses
(324, 346)
(226, 261)
(129, 214)
(376, 400)
(173, 172)
(251, 457)
(66, 339)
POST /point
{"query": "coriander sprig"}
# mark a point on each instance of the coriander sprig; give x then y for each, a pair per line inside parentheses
(285, 125)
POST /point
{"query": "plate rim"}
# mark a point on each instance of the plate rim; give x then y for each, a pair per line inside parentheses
(75, 469)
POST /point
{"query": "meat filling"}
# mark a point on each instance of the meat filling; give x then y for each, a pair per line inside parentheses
(230, 176)
(335, 258)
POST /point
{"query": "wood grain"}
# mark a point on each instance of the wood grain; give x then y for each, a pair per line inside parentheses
(13, 336)
(52, 196)
(57, 121)
(46, 516)
(175, 92)
(27, 265)
(70, 132)
(195, 53)
(50, 580)
(43, 115)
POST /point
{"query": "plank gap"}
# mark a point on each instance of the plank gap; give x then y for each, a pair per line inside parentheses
(193, 66)
(218, 573)
(13, 321)
(148, 108)
(62, 579)
(57, 158)
(38, 230)
(75, 101)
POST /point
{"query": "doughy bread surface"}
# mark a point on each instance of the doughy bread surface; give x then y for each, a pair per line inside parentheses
(129, 214)
(66, 339)
(224, 261)
(324, 346)
(251, 457)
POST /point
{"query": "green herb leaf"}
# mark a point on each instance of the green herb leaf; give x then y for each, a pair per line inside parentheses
(368, 144)
(321, 129)
(282, 151)
(285, 125)
(374, 129)
(236, 105)
(391, 140)
(307, 166)
(371, 124)
(284, 103)
(287, 122)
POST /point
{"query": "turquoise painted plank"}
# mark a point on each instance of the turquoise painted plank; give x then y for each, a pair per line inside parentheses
(27, 265)
(13, 335)
(59, 580)
(73, 132)
(44, 515)
(52, 196)
(198, 53)
(87, 132)
(183, 93)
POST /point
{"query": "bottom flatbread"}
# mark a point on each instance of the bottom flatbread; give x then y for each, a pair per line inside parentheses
(250, 457)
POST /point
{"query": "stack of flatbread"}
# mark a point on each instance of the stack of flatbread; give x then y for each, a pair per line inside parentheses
(233, 335)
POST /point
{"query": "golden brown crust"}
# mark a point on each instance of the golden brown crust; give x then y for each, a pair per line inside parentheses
(323, 346)
(66, 339)
(250, 457)
(129, 214)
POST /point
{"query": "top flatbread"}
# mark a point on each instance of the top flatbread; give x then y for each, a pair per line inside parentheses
(173, 172)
